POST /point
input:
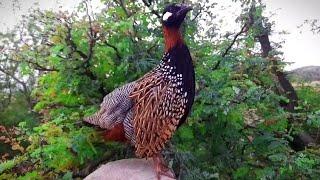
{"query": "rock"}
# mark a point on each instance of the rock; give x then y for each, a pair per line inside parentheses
(126, 169)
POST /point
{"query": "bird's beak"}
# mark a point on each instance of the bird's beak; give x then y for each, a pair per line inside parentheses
(184, 10)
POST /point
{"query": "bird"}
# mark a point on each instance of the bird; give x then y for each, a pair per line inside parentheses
(147, 111)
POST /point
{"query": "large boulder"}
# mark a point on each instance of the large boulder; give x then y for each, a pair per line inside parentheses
(126, 169)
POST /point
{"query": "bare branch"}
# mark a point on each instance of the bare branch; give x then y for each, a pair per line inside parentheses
(152, 10)
(24, 85)
(243, 29)
(234, 40)
(92, 36)
(200, 11)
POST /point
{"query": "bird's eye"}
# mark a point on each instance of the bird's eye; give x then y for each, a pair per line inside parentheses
(166, 16)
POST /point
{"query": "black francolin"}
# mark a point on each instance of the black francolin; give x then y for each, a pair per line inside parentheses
(147, 112)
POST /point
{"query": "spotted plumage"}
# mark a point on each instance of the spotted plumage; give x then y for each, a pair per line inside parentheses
(149, 110)
(152, 107)
(161, 102)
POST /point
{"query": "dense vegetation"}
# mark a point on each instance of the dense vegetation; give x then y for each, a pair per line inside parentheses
(55, 68)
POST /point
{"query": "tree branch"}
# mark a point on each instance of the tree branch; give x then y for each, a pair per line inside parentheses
(25, 88)
(263, 38)
(36, 65)
(123, 6)
(114, 48)
(200, 11)
(243, 29)
(71, 43)
(92, 36)
(234, 40)
(152, 10)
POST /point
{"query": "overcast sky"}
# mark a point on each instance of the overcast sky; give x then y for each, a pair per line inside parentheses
(301, 48)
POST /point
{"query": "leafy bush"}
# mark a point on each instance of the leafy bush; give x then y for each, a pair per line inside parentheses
(237, 128)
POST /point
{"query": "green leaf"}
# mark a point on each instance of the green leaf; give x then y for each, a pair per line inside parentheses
(186, 132)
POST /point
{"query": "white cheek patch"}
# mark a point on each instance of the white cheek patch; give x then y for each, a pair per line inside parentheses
(166, 16)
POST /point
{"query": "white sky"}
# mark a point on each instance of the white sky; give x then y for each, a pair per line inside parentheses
(301, 48)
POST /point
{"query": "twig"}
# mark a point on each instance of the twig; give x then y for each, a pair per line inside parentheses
(234, 40)
(243, 29)
(152, 10)
(114, 48)
(123, 6)
(91, 35)
(151, 47)
(36, 66)
(25, 88)
(200, 11)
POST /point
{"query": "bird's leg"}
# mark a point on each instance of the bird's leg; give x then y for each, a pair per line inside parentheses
(161, 168)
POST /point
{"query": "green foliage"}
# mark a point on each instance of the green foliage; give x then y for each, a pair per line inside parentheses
(310, 97)
(30, 175)
(7, 165)
(237, 128)
(16, 112)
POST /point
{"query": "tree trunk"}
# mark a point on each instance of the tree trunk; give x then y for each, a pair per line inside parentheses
(286, 87)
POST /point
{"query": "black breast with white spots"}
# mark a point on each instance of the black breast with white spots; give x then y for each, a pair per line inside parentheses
(181, 59)
(180, 92)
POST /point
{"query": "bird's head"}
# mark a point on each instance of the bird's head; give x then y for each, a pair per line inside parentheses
(174, 14)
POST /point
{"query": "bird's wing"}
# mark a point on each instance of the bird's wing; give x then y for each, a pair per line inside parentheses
(158, 107)
(114, 108)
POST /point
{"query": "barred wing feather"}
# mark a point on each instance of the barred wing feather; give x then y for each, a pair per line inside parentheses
(114, 109)
(158, 107)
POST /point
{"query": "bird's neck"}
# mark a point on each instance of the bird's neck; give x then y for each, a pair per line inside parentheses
(172, 37)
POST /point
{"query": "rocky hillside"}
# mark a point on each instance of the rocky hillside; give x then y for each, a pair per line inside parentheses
(307, 73)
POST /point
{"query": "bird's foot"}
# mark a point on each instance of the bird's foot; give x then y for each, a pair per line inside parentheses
(161, 169)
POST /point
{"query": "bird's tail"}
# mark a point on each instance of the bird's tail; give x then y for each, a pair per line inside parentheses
(92, 119)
